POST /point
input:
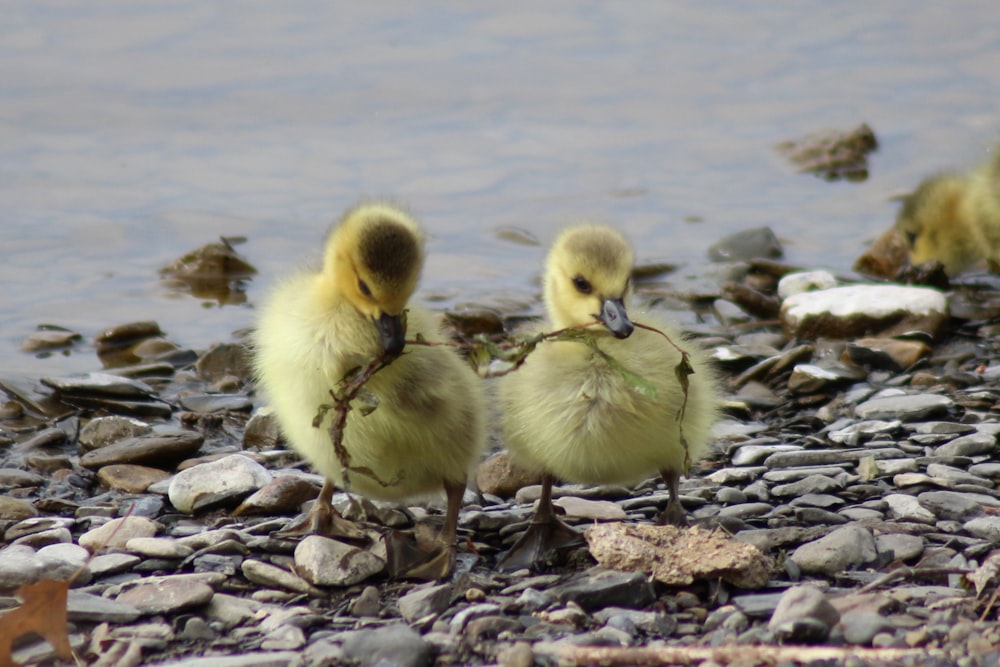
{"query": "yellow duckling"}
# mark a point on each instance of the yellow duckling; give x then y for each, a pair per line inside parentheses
(428, 428)
(955, 219)
(570, 414)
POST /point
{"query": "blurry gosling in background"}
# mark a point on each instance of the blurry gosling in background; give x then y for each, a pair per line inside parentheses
(428, 429)
(570, 415)
(955, 219)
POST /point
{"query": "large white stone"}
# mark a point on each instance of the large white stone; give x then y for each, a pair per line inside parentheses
(228, 480)
(858, 310)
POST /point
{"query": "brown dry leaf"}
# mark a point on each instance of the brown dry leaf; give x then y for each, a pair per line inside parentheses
(678, 556)
(43, 612)
(985, 573)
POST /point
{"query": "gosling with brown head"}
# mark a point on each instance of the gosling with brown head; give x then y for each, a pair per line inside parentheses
(428, 429)
(569, 413)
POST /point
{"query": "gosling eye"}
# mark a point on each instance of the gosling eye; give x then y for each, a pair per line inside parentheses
(911, 238)
(363, 286)
(582, 285)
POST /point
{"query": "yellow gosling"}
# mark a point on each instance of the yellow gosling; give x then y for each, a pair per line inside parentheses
(571, 415)
(955, 219)
(428, 429)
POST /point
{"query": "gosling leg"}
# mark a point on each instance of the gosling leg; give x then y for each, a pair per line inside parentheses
(441, 563)
(674, 513)
(545, 535)
(324, 519)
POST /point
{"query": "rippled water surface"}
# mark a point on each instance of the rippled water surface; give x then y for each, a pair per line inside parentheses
(131, 133)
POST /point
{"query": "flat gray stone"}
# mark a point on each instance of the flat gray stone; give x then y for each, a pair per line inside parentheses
(163, 448)
(845, 548)
(902, 546)
(116, 533)
(253, 659)
(984, 527)
(822, 457)
(598, 588)
(955, 505)
(810, 484)
(167, 596)
(326, 562)
(908, 508)
(975, 444)
(906, 408)
(748, 455)
(803, 615)
(81, 606)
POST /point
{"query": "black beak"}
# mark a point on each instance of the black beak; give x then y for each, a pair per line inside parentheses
(615, 318)
(392, 334)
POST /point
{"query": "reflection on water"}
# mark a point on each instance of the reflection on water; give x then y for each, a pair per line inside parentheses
(133, 133)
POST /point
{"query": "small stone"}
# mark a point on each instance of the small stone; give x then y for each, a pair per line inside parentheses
(19, 564)
(907, 508)
(367, 603)
(48, 339)
(15, 509)
(397, 645)
(421, 602)
(326, 562)
(901, 546)
(597, 588)
(501, 476)
(905, 408)
(955, 506)
(262, 431)
(130, 478)
(221, 482)
(984, 527)
(598, 510)
(747, 455)
(103, 431)
(163, 448)
(846, 547)
(803, 615)
(266, 574)
(974, 444)
(81, 606)
(158, 547)
(284, 494)
(104, 565)
(116, 533)
(209, 403)
(167, 596)
(805, 281)
(811, 484)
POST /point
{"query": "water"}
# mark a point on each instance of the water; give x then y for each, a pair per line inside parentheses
(131, 133)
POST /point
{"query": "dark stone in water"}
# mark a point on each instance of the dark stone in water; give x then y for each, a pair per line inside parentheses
(746, 245)
(222, 360)
(100, 384)
(124, 335)
(217, 403)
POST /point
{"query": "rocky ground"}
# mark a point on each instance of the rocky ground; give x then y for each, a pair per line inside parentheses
(862, 470)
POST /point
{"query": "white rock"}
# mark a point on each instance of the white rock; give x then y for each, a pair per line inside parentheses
(229, 479)
(805, 281)
(857, 310)
(908, 508)
(325, 562)
(158, 547)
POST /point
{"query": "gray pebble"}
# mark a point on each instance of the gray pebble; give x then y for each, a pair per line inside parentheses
(225, 481)
(846, 547)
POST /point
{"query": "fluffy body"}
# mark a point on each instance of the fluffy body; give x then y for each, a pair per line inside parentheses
(316, 326)
(955, 219)
(569, 413)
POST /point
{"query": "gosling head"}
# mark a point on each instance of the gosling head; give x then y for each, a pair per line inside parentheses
(931, 222)
(374, 256)
(587, 278)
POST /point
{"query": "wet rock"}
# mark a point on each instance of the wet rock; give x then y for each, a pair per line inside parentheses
(213, 271)
(103, 431)
(100, 384)
(116, 533)
(325, 562)
(863, 310)
(224, 360)
(282, 495)
(50, 437)
(163, 448)
(225, 481)
(746, 245)
(169, 595)
(424, 601)
(49, 339)
(598, 588)
(130, 478)
(833, 154)
(501, 476)
(395, 645)
(803, 615)
(126, 334)
(845, 548)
